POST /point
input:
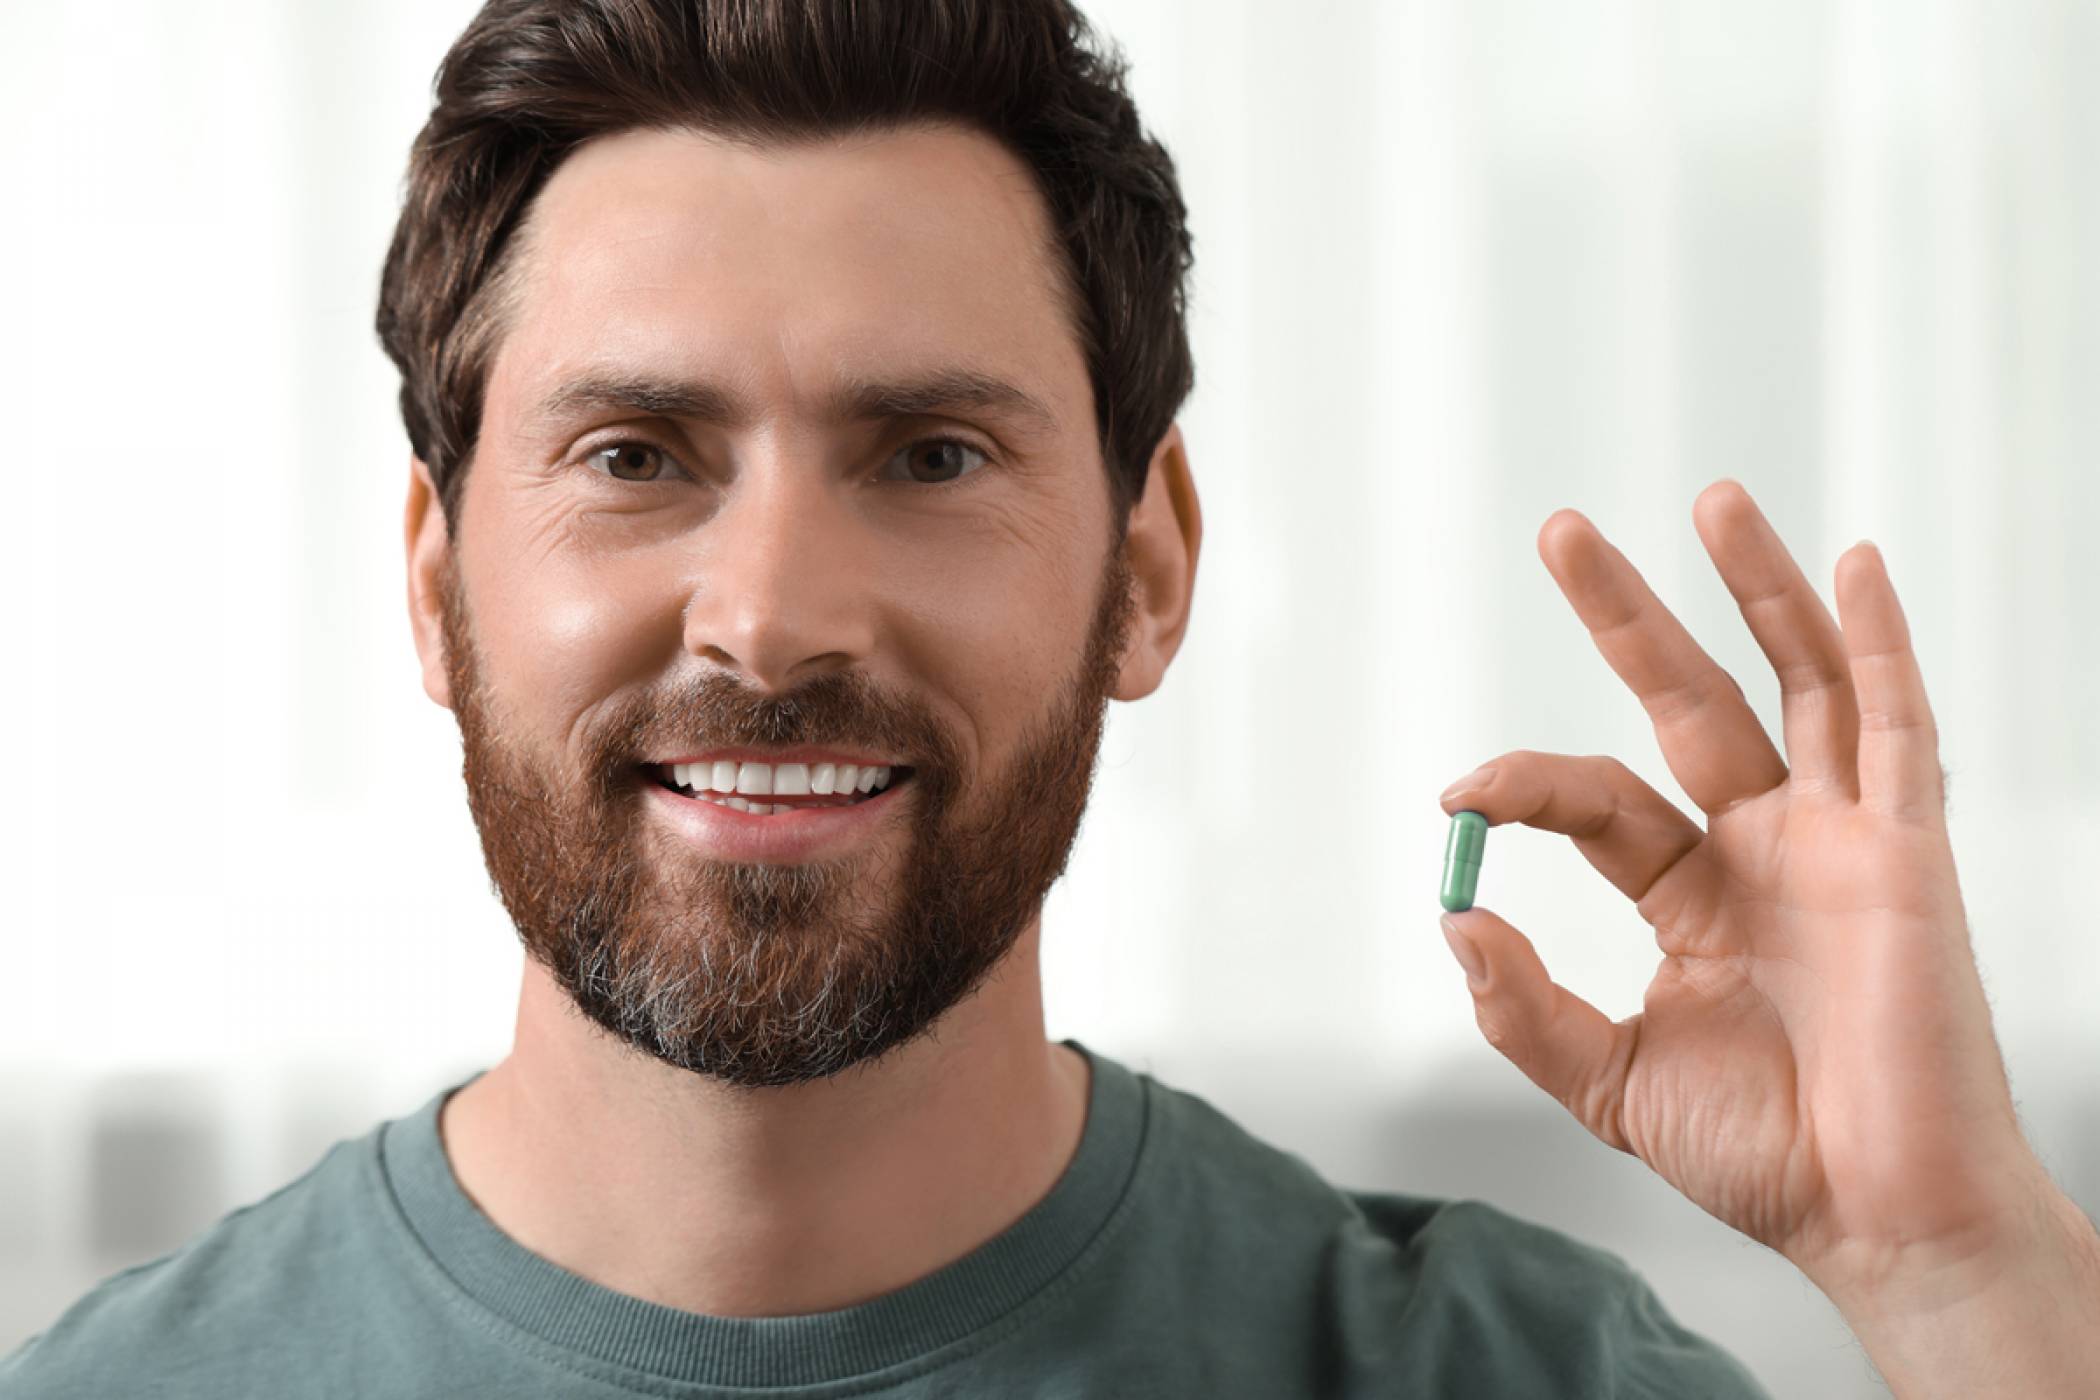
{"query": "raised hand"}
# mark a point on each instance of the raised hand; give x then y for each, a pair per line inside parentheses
(1813, 1063)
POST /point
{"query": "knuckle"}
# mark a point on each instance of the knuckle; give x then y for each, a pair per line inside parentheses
(1496, 1027)
(1612, 766)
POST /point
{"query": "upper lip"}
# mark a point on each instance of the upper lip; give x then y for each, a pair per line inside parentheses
(806, 753)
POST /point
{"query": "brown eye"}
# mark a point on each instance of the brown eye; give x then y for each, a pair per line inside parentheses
(941, 460)
(631, 461)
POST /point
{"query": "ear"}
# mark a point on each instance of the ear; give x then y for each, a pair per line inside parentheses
(429, 555)
(1166, 535)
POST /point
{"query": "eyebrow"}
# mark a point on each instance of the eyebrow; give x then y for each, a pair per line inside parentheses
(857, 400)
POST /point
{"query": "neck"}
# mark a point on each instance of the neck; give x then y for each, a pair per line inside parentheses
(666, 1186)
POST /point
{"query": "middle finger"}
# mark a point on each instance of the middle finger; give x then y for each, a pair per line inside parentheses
(1711, 738)
(1796, 633)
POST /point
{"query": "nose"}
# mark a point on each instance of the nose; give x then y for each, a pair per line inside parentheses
(784, 592)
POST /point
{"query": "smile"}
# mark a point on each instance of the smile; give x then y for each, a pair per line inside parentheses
(764, 789)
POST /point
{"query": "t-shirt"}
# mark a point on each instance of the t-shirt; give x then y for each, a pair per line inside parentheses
(1177, 1256)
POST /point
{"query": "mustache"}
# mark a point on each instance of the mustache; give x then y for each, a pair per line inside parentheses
(839, 709)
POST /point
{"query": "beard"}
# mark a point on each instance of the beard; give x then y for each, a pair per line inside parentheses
(754, 974)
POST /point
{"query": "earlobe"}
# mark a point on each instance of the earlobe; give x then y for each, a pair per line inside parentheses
(429, 556)
(1165, 539)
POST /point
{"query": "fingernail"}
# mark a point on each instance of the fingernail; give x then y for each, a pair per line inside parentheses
(1476, 779)
(1468, 956)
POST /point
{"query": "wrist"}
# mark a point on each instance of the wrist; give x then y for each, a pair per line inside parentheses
(2003, 1231)
(2014, 1313)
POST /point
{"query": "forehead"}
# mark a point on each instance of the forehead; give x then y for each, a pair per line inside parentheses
(788, 268)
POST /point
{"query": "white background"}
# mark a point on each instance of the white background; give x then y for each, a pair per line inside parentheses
(1460, 263)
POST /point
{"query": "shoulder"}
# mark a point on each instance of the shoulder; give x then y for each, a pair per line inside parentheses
(1532, 1305)
(1454, 1295)
(1202, 1152)
(259, 1271)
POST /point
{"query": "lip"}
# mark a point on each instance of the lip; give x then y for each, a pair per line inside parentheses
(786, 837)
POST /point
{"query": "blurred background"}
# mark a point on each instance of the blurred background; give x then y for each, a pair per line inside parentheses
(1460, 263)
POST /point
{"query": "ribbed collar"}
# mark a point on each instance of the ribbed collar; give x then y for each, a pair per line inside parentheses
(570, 1311)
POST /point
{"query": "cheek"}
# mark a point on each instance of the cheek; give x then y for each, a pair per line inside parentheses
(564, 633)
(1001, 620)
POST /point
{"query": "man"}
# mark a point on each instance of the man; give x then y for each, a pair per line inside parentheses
(794, 481)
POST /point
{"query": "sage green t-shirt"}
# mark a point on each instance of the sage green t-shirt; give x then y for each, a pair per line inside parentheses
(1176, 1257)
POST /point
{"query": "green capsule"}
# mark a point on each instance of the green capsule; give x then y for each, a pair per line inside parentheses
(1462, 852)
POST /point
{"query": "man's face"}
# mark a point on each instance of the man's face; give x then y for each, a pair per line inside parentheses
(634, 584)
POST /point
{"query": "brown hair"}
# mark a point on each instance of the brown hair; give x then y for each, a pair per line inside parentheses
(530, 80)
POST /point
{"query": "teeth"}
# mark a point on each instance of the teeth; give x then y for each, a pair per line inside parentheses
(749, 780)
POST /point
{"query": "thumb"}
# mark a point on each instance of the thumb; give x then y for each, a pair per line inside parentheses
(1562, 1043)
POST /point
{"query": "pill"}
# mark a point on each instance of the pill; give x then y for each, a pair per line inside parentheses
(1462, 852)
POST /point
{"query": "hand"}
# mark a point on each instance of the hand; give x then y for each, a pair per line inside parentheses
(1813, 1063)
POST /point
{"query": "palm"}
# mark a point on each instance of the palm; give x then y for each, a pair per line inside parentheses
(1813, 1062)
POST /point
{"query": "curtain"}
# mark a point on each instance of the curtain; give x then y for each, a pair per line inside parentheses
(1459, 264)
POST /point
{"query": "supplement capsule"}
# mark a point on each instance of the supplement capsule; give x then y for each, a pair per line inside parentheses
(1462, 852)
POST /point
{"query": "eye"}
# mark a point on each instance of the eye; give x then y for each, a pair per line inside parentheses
(645, 460)
(643, 463)
(946, 460)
